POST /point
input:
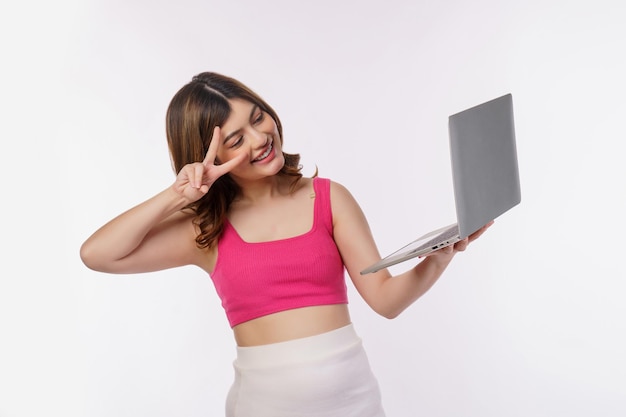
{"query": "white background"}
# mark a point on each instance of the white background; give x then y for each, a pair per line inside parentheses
(529, 322)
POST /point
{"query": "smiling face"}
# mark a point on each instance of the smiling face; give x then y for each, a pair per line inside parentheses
(254, 133)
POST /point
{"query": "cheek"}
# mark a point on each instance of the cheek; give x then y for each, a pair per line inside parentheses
(276, 135)
(269, 125)
(226, 155)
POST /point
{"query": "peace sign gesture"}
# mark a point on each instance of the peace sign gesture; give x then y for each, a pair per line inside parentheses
(194, 180)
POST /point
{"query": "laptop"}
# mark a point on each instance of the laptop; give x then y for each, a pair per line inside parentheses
(484, 172)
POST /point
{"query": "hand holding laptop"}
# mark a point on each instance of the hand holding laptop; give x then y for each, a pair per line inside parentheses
(485, 178)
(461, 245)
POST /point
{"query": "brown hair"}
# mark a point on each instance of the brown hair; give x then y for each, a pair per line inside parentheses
(194, 112)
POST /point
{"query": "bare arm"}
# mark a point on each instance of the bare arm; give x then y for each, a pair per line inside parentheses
(156, 234)
(386, 295)
(152, 236)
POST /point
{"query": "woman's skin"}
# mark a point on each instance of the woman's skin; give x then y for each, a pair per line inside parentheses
(158, 234)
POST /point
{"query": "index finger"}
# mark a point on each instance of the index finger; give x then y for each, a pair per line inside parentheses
(228, 166)
(213, 146)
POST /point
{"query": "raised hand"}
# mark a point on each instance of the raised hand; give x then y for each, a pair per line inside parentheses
(194, 180)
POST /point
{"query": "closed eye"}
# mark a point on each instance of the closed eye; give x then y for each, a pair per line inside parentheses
(236, 142)
(259, 118)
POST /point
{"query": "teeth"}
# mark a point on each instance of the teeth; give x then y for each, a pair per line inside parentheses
(266, 153)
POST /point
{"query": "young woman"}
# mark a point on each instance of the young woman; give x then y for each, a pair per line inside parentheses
(275, 245)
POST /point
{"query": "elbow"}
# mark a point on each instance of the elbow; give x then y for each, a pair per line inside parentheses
(98, 259)
(86, 256)
(385, 308)
(388, 312)
(89, 258)
(390, 315)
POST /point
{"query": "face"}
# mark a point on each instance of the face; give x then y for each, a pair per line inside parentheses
(252, 132)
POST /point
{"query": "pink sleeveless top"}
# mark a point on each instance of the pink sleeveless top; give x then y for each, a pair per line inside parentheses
(257, 279)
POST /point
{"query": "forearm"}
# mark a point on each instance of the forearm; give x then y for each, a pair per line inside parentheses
(386, 295)
(399, 292)
(122, 235)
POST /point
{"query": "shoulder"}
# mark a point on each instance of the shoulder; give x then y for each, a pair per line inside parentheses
(334, 187)
(339, 192)
(342, 202)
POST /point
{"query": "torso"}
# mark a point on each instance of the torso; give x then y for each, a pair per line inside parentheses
(283, 216)
(291, 324)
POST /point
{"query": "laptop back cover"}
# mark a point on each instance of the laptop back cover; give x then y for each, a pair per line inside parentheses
(484, 163)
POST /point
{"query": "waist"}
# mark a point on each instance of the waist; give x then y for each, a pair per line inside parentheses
(291, 324)
(306, 349)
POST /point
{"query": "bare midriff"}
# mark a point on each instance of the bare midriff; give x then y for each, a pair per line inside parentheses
(291, 324)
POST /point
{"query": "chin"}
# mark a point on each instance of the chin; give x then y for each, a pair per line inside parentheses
(275, 165)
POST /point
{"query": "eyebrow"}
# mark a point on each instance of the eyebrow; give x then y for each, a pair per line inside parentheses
(230, 135)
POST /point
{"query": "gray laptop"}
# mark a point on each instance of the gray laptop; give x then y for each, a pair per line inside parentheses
(484, 172)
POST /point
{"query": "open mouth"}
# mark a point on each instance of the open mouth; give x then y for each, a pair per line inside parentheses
(264, 154)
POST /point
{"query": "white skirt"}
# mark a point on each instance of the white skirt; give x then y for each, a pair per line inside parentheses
(327, 375)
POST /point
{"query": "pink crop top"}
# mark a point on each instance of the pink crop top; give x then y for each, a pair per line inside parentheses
(257, 279)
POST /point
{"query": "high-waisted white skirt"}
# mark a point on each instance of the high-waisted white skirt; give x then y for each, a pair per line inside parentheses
(327, 375)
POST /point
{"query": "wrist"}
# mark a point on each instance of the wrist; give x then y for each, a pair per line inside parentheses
(438, 260)
(175, 201)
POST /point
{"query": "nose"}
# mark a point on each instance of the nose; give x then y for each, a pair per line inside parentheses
(259, 139)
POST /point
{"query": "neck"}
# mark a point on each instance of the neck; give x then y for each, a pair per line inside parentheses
(258, 190)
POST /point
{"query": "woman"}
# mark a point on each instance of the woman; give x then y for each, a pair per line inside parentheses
(275, 245)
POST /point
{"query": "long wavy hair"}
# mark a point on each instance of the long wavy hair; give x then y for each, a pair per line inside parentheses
(194, 112)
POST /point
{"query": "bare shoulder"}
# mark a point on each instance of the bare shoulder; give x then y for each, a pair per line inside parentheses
(339, 189)
(342, 201)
